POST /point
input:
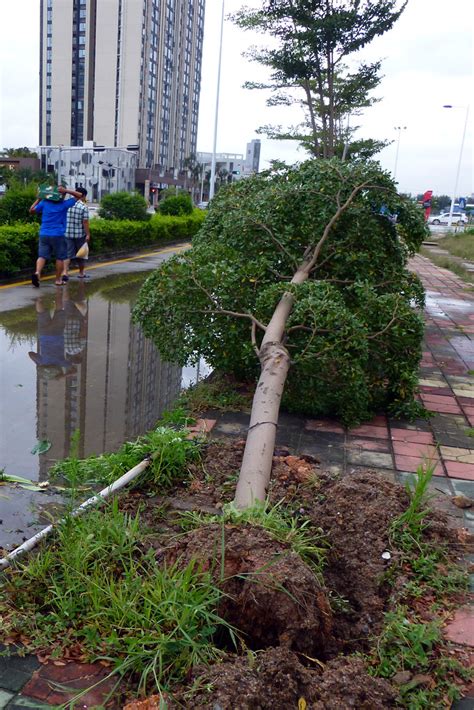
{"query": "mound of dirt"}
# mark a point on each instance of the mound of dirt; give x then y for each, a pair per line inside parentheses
(271, 595)
(276, 680)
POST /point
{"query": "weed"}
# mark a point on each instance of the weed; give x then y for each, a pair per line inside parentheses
(178, 417)
(430, 566)
(410, 644)
(169, 449)
(97, 587)
(217, 393)
(470, 431)
(404, 644)
(406, 530)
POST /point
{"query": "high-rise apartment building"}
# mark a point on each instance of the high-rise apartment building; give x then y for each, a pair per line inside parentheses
(121, 73)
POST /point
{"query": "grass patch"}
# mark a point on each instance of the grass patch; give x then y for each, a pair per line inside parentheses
(169, 449)
(446, 263)
(96, 587)
(218, 392)
(461, 244)
(409, 642)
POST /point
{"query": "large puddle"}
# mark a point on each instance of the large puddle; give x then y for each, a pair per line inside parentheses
(77, 377)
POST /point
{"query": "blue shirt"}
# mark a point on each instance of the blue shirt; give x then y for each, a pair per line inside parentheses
(54, 217)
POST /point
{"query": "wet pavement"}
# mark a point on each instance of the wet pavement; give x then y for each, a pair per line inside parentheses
(77, 378)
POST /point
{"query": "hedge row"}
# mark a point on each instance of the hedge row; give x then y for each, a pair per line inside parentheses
(19, 241)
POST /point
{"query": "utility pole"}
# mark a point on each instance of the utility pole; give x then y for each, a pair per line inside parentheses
(213, 164)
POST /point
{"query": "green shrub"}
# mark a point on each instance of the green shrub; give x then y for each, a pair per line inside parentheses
(15, 205)
(124, 206)
(176, 205)
(19, 241)
(18, 247)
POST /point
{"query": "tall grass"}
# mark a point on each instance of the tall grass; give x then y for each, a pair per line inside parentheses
(169, 449)
(95, 586)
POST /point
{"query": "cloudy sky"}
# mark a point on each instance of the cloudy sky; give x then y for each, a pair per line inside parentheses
(427, 62)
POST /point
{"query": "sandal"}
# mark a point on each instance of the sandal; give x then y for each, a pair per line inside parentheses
(58, 283)
(64, 278)
(35, 280)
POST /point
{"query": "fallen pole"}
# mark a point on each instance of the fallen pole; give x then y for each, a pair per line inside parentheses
(97, 499)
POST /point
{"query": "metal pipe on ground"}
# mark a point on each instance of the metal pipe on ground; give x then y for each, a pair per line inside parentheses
(97, 499)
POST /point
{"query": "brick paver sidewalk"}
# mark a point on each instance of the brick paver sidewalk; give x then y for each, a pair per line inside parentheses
(395, 448)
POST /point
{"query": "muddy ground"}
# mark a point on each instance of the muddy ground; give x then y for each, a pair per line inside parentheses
(297, 626)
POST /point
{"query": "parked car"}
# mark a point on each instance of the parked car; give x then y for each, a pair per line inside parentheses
(93, 208)
(202, 205)
(443, 218)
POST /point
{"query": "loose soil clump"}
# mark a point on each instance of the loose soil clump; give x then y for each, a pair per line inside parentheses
(275, 679)
(270, 594)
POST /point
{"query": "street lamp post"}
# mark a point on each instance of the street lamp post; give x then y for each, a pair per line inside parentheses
(213, 164)
(399, 129)
(453, 198)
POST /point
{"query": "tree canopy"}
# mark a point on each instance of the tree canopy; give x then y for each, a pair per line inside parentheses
(352, 334)
(314, 39)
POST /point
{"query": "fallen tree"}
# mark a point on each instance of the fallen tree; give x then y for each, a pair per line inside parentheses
(300, 274)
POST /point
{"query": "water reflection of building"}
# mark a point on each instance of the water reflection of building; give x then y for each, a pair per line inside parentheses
(116, 388)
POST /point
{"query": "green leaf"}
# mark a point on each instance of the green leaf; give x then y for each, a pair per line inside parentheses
(41, 446)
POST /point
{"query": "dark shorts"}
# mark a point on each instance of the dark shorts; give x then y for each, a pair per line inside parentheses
(52, 246)
(73, 246)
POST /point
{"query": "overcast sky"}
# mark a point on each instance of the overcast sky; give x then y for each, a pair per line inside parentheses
(427, 62)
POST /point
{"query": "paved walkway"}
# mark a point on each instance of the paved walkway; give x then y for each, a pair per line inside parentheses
(393, 447)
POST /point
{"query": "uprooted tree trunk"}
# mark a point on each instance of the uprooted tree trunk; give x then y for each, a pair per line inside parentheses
(256, 467)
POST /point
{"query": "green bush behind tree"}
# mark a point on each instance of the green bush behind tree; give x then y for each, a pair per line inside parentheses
(176, 205)
(124, 205)
(15, 203)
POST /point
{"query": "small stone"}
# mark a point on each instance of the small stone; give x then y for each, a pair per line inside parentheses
(462, 501)
(386, 555)
(401, 678)
(421, 679)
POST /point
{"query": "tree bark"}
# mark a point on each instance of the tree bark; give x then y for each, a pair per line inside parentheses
(256, 466)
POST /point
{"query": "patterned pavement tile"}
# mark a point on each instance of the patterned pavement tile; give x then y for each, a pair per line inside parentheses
(461, 628)
(370, 458)
(324, 425)
(421, 450)
(416, 437)
(369, 430)
(456, 469)
(451, 453)
(382, 445)
(413, 463)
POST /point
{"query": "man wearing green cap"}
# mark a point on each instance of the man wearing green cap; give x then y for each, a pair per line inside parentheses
(52, 242)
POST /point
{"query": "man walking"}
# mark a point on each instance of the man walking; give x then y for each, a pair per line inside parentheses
(77, 234)
(52, 241)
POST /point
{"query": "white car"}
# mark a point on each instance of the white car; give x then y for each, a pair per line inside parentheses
(443, 218)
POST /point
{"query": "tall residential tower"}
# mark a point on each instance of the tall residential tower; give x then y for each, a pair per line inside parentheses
(121, 73)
